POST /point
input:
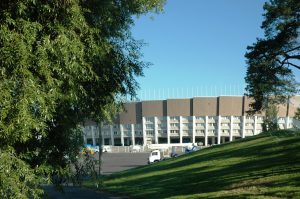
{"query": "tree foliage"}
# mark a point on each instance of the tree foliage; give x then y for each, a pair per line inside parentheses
(62, 61)
(17, 179)
(297, 114)
(270, 120)
(270, 60)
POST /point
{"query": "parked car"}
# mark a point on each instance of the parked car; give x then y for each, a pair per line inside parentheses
(106, 149)
(191, 149)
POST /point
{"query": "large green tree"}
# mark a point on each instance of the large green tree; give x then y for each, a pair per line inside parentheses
(270, 78)
(62, 61)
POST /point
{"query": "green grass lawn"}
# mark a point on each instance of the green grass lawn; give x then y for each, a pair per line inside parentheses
(262, 166)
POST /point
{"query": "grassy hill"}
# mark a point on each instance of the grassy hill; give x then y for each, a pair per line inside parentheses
(262, 166)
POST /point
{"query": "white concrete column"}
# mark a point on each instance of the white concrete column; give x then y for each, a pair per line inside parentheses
(155, 130)
(132, 135)
(144, 131)
(194, 129)
(254, 125)
(287, 122)
(122, 134)
(180, 129)
(100, 131)
(219, 129)
(231, 129)
(206, 131)
(112, 139)
(168, 129)
(93, 135)
(244, 127)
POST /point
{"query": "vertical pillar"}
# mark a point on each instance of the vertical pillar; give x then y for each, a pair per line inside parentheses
(168, 130)
(102, 136)
(206, 131)
(254, 125)
(101, 133)
(93, 135)
(122, 134)
(287, 122)
(144, 131)
(231, 128)
(112, 136)
(244, 127)
(219, 129)
(194, 129)
(155, 130)
(132, 135)
(180, 129)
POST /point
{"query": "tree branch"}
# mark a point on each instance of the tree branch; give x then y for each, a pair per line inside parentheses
(287, 57)
(292, 56)
(296, 66)
(296, 48)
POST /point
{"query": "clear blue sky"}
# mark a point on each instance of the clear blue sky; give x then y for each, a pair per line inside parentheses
(197, 47)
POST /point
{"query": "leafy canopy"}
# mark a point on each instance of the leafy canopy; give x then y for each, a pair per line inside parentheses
(297, 114)
(270, 60)
(62, 61)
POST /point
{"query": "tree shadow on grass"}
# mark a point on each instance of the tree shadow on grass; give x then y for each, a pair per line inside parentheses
(220, 152)
(194, 181)
(258, 162)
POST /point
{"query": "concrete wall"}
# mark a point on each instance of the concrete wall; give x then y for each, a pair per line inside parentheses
(293, 104)
(198, 106)
(153, 108)
(229, 105)
(203, 106)
(179, 107)
(282, 110)
(129, 115)
(247, 102)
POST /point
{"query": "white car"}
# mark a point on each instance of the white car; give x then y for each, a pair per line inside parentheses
(106, 149)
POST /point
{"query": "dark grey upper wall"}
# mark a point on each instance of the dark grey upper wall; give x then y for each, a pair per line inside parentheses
(153, 108)
(231, 105)
(198, 106)
(247, 102)
(179, 107)
(294, 103)
(205, 106)
(130, 113)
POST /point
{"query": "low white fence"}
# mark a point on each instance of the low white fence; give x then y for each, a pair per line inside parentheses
(180, 148)
(128, 149)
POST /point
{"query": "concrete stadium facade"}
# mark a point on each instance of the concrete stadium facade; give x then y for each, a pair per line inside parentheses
(206, 120)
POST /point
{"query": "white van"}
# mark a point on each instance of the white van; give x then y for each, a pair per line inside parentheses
(157, 155)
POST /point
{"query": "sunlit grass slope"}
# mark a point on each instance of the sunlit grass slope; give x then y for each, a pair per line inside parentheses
(262, 166)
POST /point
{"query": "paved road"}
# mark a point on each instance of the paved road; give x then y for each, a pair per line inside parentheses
(111, 163)
(115, 162)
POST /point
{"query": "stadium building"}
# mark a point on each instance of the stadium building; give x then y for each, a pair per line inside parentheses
(202, 120)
